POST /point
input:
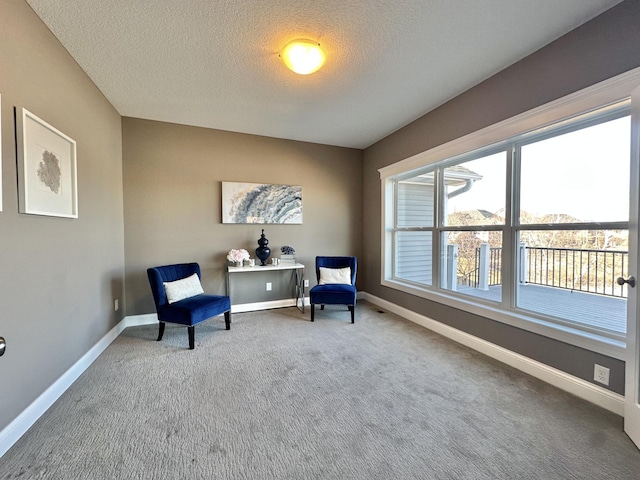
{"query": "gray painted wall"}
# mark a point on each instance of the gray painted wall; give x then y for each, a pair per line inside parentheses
(602, 48)
(59, 276)
(173, 177)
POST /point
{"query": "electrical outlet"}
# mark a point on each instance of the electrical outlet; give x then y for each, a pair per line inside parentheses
(601, 374)
(268, 286)
(306, 283)
(115, 305)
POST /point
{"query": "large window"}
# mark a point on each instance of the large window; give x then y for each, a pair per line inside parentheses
(534, 226)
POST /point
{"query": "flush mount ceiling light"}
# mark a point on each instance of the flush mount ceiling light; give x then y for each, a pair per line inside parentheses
(303, 56)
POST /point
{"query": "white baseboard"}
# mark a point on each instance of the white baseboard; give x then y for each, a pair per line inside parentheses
(138, 320)
(581, 388)
(256, 306)
(12, 432)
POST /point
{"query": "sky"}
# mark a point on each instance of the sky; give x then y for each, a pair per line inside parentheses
(584, 174)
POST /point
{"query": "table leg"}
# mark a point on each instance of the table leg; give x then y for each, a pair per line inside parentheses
(299, 290)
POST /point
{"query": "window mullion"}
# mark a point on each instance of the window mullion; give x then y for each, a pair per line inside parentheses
(394, 231)
(436, 257)
(510, 268)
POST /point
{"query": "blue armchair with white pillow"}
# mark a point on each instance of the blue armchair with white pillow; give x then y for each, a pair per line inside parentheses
(336, 284)
(179, 298)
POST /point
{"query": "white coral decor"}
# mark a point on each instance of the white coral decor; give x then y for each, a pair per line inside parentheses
(237, 255)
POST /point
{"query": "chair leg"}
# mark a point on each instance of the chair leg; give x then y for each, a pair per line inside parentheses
(160, 331)
(227, 320)
(192, 335)
(352, 309)
(313, 311)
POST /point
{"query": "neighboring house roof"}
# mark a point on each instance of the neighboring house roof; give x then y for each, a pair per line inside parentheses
(460, 172)
(486, 213)
(454, 175)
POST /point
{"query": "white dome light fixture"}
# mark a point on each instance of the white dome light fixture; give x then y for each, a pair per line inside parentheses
(303, 56)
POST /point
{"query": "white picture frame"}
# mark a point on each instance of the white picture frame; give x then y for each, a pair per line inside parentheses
(47, 168)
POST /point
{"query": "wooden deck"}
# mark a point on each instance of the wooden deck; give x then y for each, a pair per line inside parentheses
(599, 311)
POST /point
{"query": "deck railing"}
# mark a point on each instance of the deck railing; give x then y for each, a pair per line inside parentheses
(584, 270)
(592, 271)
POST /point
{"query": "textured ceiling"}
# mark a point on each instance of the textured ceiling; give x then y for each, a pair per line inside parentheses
(214, 63)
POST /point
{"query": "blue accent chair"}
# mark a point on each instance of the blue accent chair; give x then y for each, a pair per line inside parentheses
(188, 311)
(334, 293)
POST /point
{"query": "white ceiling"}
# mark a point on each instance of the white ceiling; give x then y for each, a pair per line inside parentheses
(214, 63)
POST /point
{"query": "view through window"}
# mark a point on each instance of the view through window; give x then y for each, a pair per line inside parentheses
(538, 225)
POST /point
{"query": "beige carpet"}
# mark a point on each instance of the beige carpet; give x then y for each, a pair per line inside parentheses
(278, 397)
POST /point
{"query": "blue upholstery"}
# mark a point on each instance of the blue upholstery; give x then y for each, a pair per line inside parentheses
(189, 311)
(335, 294)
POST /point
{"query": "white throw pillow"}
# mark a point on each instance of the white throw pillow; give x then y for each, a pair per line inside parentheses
(183, 288)
(335, 275)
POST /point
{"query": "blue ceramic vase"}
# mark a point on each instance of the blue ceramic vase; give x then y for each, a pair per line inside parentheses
(263, 252)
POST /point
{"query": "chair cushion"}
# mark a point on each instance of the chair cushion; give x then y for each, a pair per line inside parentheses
(183, 288)
(193, 310)
(333, 294)
(335, 275)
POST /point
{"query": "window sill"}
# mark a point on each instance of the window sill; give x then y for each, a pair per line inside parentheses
(612, 347)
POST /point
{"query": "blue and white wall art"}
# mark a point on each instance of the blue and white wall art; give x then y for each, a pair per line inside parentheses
(261, 203)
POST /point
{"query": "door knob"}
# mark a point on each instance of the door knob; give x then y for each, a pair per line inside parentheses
(631, 281)
(3, 346)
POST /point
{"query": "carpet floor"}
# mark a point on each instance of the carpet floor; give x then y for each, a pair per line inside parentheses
(279, 397)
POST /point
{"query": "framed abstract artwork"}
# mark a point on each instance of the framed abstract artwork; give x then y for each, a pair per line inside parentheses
(261, 203)
(47, 168)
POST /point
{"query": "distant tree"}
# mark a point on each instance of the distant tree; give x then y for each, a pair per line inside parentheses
(469, 241)
(557, 252)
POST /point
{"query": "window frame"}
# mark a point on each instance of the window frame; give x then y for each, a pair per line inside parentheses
(596, 104)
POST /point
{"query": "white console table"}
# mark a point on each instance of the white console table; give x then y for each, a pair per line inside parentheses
(298, 273)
